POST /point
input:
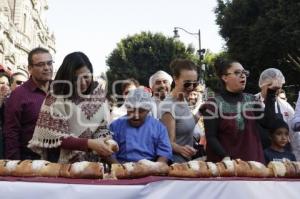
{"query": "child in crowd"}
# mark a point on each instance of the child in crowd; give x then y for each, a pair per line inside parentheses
(279, 138)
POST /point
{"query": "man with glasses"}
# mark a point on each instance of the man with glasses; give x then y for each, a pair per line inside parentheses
(23, 106)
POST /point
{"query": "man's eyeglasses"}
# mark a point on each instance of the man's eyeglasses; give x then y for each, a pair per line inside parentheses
(239, 73)
(18, 82)
(188, 84)
(41, 64)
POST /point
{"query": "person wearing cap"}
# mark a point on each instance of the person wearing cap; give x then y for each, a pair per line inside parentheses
(160, 84)
(283, 109)
(138, 134)
(279, 134)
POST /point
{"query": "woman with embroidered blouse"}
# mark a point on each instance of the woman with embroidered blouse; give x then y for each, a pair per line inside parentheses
(73, 119)
(231, 117)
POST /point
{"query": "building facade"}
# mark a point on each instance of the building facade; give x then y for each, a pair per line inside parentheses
(22, 28)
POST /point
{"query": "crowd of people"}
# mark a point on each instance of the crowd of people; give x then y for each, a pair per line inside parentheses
(69, 118)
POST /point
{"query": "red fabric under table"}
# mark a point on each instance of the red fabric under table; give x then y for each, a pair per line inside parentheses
(139, 181)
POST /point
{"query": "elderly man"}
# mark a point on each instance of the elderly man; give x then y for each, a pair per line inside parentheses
(160, 84)
(23, 106)
(138, 134)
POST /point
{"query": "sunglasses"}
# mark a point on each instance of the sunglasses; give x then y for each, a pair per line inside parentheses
(18, 82)
(190, 83)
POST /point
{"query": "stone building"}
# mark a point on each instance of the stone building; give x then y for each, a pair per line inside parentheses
(22, 28)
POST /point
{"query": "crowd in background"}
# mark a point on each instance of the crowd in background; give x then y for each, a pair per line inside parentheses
(69, 118)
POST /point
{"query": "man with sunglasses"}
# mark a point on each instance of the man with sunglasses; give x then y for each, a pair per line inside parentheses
(23, 106)
(17, 79)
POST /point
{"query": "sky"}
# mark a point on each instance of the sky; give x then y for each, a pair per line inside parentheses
(96, 26)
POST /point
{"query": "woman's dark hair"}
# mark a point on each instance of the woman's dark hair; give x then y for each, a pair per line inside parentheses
(177, 65)
(71, 63)
(221, 66)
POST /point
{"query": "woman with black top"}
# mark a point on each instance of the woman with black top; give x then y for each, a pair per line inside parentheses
(231, 117)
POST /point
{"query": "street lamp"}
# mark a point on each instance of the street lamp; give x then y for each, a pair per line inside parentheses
(200, 51)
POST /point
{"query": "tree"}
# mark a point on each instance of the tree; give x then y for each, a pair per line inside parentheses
(262, 34)
(211, 79)
(141, 55)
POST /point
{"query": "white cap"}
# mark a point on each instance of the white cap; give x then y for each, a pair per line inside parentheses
(270, 75)
(160, 75)
(139, 98)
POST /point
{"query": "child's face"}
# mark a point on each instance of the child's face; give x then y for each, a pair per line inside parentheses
(280, 137)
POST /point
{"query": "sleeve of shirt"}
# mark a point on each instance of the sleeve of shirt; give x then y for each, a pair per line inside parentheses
(167, 107)
(267, 156)
(293, 158)
(12, 126)
(72, 143)
(269, 112)
(112, 128)
(211, 124)
(295, 122)
(164, 148)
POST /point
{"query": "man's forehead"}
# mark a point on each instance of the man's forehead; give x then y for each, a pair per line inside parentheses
(42, 56)
(161, 80)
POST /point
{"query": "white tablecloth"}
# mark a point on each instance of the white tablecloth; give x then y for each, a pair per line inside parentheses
(160, 189)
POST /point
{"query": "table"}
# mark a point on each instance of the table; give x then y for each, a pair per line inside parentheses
(151, 187)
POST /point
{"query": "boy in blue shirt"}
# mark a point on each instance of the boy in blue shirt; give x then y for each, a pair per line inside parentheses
(279, 138)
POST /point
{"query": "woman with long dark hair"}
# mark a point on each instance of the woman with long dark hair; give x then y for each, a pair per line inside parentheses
(74, 116)
(231, 117)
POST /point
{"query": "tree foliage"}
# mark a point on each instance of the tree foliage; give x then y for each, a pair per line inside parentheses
(262, 34)
(141, 55)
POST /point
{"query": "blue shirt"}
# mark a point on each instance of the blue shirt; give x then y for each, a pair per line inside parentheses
(272, 155)
(149, 141)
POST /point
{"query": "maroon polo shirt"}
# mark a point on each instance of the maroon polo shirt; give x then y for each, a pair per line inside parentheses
(21, 113)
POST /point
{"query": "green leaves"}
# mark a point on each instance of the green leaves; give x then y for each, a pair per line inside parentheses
(141, 55)
(262, 34)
